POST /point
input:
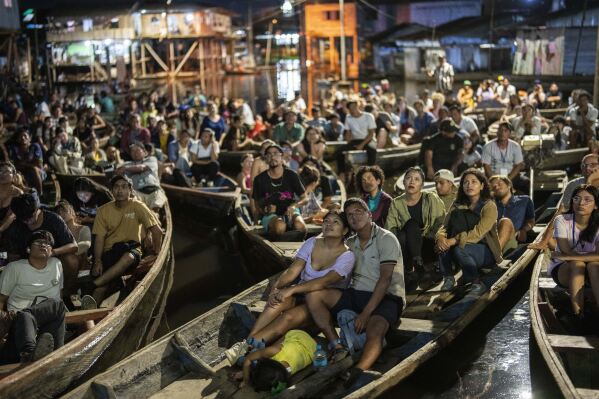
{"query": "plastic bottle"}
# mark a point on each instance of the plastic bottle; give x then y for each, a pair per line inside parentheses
(320, 358)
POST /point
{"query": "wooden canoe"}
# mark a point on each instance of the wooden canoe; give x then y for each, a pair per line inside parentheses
(571, 359)
(67, 181)
(123, 330)
(189, 362)
(230, 161)
(212, 205)
(389, 159)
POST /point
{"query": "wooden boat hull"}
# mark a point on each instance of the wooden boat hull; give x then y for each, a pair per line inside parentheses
(125, 329)
(571, 360)
(230, 161)
(67, 181)
(389, 159)
(209, 206)
(165, 370)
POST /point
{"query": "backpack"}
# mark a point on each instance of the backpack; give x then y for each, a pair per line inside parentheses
(461, 220)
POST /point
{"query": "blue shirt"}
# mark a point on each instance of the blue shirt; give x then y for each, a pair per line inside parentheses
(519, 209)
(423, 124)
(218, 127)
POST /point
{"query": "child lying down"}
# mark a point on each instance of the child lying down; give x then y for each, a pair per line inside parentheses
(270, 368)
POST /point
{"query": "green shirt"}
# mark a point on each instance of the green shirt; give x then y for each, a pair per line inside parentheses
(433, 214)
(281, 133)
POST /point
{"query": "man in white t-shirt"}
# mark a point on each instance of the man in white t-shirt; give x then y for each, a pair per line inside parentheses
(504, 91)
(143, 172)
(465, 123)
(360, 128)
(30, 290)
(502, 156)
(583, 119)
(204, 157)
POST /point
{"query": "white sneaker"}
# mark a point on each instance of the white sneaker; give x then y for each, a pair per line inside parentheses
(236, 351)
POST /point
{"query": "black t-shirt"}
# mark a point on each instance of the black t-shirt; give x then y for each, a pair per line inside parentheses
(445, 150)
(280, 192)
(18, 233)
(381, 121)
(273, 120)
(415, 212)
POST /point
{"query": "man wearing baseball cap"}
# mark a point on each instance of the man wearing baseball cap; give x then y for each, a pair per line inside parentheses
(445, 149)
(445, 186)
(117, 230)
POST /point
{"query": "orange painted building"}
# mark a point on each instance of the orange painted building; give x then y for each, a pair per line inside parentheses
(321, 27)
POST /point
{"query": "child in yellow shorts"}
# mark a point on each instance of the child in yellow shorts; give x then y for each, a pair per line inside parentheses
(269, 369)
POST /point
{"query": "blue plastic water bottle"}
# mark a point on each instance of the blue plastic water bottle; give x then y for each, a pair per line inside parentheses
(320, 358)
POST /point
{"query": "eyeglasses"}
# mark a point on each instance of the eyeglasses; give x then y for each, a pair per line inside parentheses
(581, 200)
(274, 155)
(42, 244)
(590, 165)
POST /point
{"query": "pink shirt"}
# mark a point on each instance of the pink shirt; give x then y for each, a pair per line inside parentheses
(344, 265)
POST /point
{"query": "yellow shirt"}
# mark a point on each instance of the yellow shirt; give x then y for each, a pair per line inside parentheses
(298, 350)
(123, 224)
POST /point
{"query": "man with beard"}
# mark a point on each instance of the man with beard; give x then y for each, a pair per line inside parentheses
(277, 196)
(519, 209)
(117, 228)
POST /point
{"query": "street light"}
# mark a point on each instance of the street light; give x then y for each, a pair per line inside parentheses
(287, 7)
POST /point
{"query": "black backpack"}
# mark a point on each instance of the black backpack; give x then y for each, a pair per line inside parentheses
(461, 220)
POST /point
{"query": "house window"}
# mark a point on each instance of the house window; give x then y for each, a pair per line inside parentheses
(331, 15)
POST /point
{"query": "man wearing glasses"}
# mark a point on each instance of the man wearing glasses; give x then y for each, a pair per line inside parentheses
(590, 173)
(277, 195)
(30, 291)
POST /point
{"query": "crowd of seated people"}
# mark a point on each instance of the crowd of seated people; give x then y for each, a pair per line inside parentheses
(154, 140)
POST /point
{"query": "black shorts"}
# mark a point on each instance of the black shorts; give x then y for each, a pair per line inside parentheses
(112, 256)
(390, 307)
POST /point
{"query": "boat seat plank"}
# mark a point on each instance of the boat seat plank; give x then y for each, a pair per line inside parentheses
(572, 343)
(588, 393)
(188, 358)
(81, 316)
(406, 324)
(422, 325)
(547, 283)
(288, 248)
